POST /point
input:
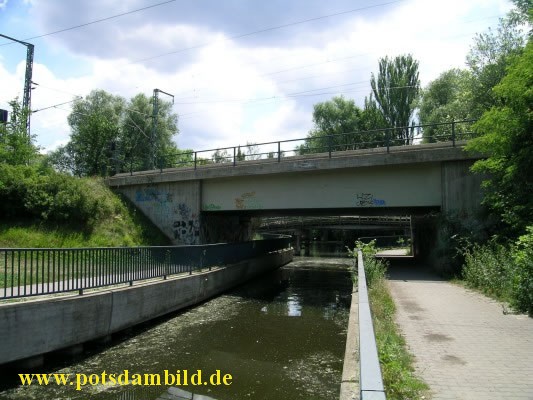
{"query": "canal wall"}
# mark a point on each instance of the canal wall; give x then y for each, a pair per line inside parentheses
(30, 329)
(350, 384)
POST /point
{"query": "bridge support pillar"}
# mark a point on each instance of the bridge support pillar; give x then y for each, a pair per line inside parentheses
(306, 238)
(297, 243)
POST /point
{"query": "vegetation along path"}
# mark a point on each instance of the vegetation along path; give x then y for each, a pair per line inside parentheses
(465, 346)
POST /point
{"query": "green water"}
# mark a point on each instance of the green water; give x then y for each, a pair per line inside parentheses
(281, 336)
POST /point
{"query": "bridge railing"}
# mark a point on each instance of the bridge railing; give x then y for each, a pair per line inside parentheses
(329, 144)
(370, 379)
(37, 271)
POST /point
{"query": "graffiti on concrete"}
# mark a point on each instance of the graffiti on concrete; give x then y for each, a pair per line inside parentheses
(186, 227)
(173, 216)
(153, 194)
(248, 201)
(368, 200)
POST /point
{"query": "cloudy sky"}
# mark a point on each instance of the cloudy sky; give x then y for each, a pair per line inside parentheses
(240, 70)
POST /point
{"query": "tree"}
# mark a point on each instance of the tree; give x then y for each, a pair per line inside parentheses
(139, 142)
(339, 125)
(16, 148)
(252, 151)
(395, 89)
(488, 60)
(109, 135)
(221, 157)
(448, 98)
(95, 123)
(507, 139)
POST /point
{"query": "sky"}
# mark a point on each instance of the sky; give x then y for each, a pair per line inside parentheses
(240, 70)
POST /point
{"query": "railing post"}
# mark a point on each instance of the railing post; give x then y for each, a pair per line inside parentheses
(387, 140)
(279, 151)
(234, 156)
(329, 145)
(453, 133)
(195, 156)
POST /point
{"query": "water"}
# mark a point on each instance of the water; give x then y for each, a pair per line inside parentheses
(280, 337)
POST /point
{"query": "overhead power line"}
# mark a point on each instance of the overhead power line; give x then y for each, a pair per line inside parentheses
(96, 21)
(272, 28)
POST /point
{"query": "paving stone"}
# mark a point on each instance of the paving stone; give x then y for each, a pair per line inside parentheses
(464, 346)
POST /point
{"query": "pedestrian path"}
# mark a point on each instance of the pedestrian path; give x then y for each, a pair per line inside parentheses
(465, 346)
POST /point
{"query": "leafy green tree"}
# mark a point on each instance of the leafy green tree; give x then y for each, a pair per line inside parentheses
(252, 151)
(507, 139)
(488, 60)
(16, 148)
(111, 135)
(396, 89)
(139, 143)
(448, 98)
(221, 157)
(339, 125)
(95, 123)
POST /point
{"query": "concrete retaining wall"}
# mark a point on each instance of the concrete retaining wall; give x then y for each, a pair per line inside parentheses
(350, 384)
(32, 328)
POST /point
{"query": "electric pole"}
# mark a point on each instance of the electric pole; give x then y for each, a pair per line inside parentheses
(155, 111)
(26, 99)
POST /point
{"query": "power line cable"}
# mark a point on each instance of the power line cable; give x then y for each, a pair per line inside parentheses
(94, 22)
(272, 28)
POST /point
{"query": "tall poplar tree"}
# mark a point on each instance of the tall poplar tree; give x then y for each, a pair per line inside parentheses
(395, 89)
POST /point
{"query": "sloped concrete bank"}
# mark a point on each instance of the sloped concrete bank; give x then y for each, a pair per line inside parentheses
(33, 328)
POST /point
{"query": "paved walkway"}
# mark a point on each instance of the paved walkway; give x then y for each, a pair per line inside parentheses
(465, 347)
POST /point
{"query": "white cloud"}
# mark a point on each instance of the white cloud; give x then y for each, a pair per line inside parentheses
(211, 83)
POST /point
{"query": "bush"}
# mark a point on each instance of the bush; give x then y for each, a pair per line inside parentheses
(522, 284)
(374, 269)
(505, 272)
(33, 193)
(489, 268)
(454, 233)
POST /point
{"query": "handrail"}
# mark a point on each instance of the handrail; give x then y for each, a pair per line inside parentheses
(371, 382)
(276, 153)
(28, 272)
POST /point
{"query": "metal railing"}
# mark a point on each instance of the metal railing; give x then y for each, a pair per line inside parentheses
(370, 381)
(277, 151)
(32, 272)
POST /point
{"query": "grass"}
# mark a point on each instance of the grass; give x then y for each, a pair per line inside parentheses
(127, 227)
(396, 362)
(121, 226)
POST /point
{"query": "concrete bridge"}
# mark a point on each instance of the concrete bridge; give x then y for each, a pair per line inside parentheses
(213, 203)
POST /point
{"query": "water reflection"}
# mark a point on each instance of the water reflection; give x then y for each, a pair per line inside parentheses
(280, 337)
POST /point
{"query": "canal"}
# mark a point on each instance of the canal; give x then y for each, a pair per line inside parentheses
(281, 336)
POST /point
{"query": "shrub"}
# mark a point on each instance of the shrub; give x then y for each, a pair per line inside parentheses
(522, 283)
(489, 268)
(28, 192)
(503, 271)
